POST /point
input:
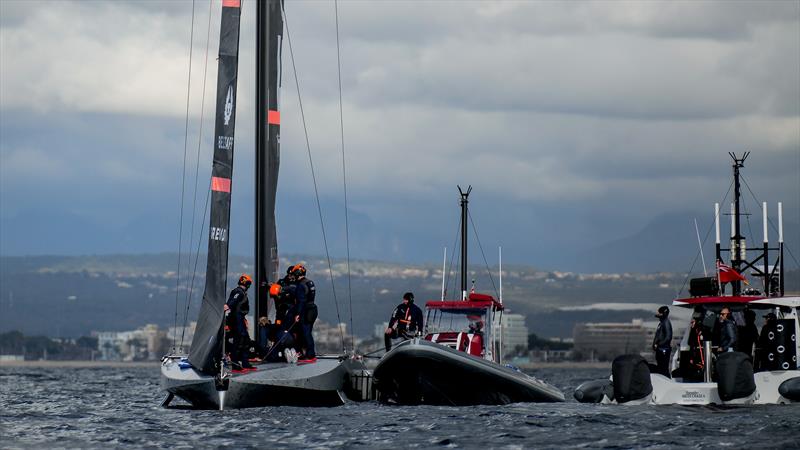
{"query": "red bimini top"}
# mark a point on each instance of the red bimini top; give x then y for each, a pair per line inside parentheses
(474, 301)
(738, 299)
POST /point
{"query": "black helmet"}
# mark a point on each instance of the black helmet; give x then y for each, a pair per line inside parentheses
(770, 316)
(409, 296)
(663, 312)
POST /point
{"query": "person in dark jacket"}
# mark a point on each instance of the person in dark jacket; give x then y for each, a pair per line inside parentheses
(306, 311)
(727, 332)
(766, 342)
(748, 334)
(697, 357)
(662, 341)
(406, 320)
(236, 309)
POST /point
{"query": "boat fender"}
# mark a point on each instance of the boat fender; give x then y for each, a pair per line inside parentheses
(790, 389)
(735, 376)
(631, 378)
(593, 391)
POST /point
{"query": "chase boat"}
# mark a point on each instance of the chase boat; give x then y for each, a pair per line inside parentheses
(457, 360)
(701, 377)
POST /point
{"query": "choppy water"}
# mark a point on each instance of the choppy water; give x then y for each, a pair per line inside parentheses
(92, 408)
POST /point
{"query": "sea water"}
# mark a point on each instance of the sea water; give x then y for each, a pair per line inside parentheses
(119, 407)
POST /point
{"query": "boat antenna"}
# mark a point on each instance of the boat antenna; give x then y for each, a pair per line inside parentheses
(464, 237)
(500, 272)
(444, 268)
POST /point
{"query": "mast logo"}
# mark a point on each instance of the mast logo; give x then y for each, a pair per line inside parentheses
(219, 234)
(225, 142)
(228, 106)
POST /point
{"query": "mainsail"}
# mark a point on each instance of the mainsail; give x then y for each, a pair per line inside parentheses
(268, 119)
(206, 341)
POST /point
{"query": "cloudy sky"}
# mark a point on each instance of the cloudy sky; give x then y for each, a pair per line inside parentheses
(576, 123)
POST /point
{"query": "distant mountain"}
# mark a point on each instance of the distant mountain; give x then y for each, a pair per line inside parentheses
(669, 243)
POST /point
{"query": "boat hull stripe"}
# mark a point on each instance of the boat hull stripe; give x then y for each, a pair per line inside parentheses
(220, 184)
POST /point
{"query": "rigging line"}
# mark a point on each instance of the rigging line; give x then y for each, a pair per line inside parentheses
(190, 290)
(452, 256)
(775, 228)
(199, 144)
(183, 174)
(475, 231)
(697, 255)
(344, 179)
(196, 259)
(313, 174)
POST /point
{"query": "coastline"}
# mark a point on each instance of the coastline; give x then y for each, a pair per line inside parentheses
(77, 364)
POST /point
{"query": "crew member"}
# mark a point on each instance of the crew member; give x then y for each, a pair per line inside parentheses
(748, 334)
(236, 309)
(697, 357)
(662, 342)
(764, 344)
(727, 332)
(306, 311)
(405, 321)
(283, 294)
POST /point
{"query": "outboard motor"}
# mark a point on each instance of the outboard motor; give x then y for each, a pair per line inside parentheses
(735, 376)
(790, 389)
(631, 378)
(594, 391)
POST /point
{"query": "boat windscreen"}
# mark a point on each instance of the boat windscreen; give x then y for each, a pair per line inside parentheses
(466, 320)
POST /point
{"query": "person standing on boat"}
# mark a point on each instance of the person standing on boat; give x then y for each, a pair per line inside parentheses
(748, 334)
(766, 342)
(236, 309)
(406, 320)
(727, 332)
(306, 312)
(662, 341)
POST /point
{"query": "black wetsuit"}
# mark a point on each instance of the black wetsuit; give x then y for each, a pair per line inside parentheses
(305, 293)
(727, 336)
(239, 338)
(406, 320)
(662, 345)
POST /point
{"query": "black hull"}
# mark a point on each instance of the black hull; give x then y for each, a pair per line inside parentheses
(321, 384)
(421, 372)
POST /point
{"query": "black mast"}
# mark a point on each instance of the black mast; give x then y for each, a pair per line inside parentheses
(206, 341)
(738, 246)
(269, 26)
(464, 239)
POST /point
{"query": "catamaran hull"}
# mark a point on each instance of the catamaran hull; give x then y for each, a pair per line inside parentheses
(776, 387)
(421, 372)
(276, 384)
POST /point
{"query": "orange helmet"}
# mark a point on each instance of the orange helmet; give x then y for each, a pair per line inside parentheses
(299, 270)
(245, 280)
(275, 289)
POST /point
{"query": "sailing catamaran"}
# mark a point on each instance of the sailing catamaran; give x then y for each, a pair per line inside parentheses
(699, 377)
(202, 378)
(457, 360)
